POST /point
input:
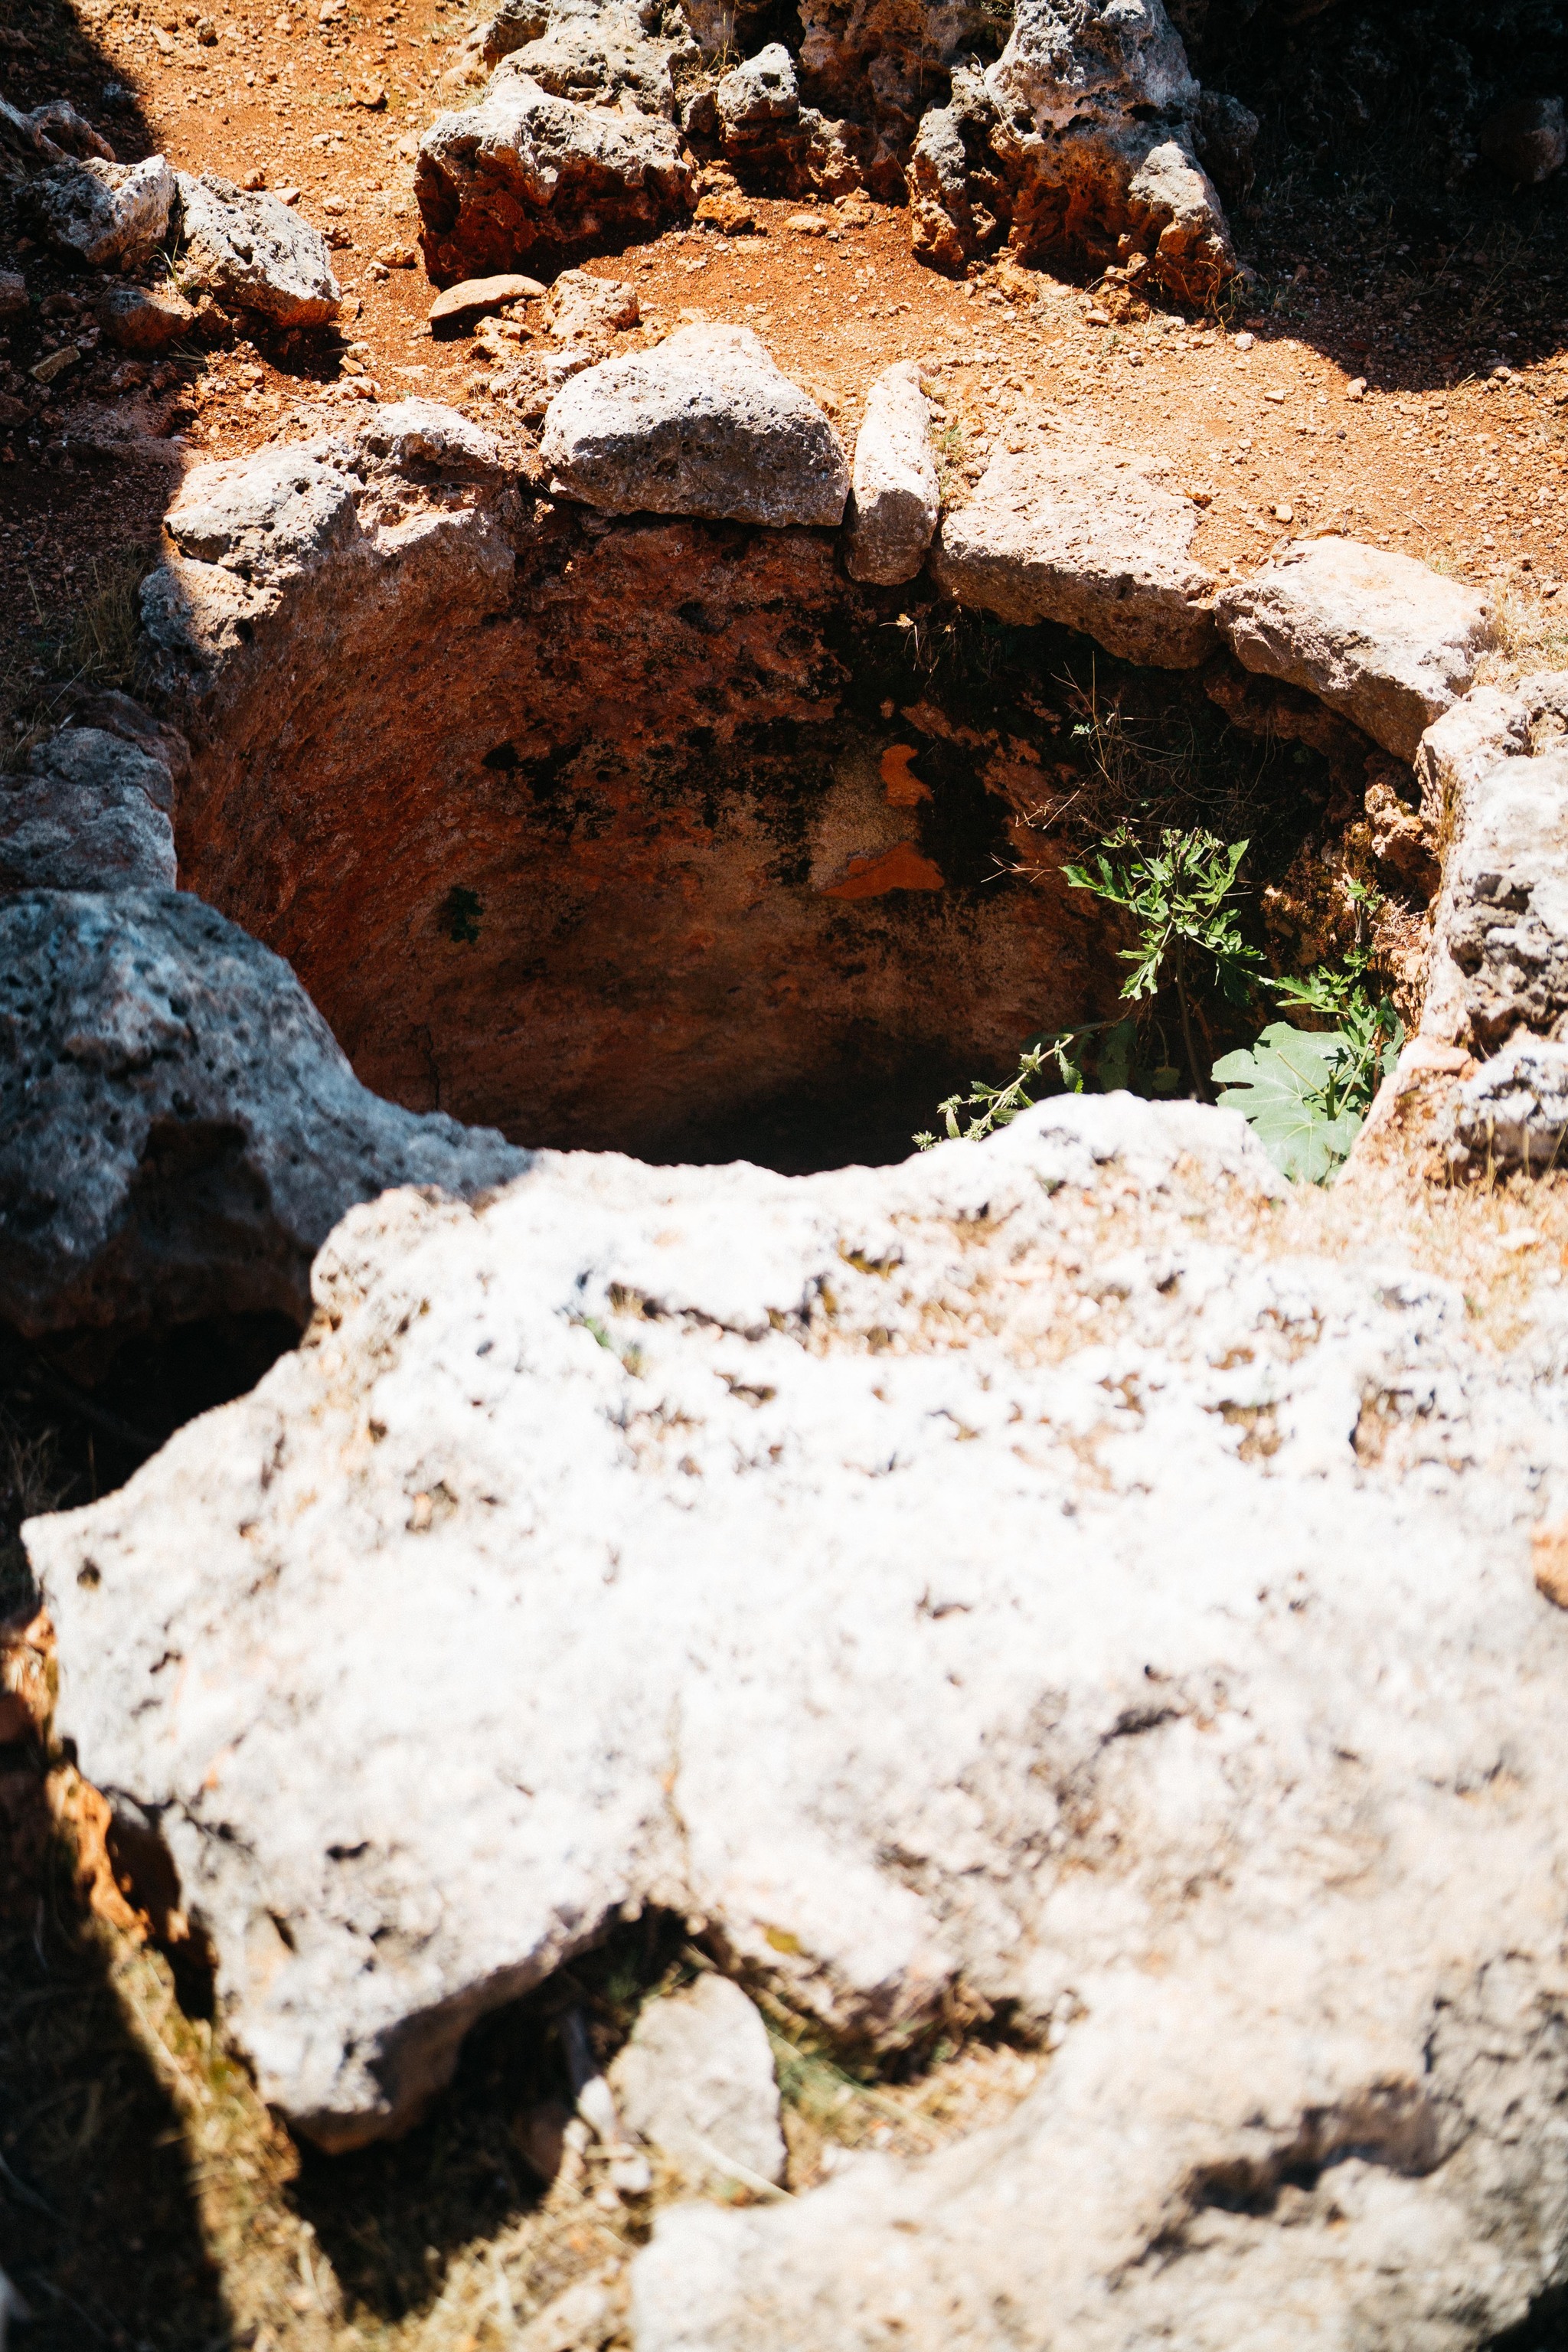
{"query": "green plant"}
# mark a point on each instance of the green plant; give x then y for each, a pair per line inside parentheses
(1306, 1092)
(1067, 1053)
(1179, 896)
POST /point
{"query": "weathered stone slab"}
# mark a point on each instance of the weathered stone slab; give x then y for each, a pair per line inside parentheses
(179, 1130)
(704, 424)
(1375, 636)
(1078, 535)
(252, 252)
(475, 298)
(897, 500)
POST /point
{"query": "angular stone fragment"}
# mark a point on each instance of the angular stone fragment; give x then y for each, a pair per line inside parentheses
(142, 318)
(704, 424)
(1078, 535)
(102, 212)
(696, 2081)
(1375, 636)
(582, 304)
(92, 814)
(178, 1130)
(897, 500)
(475, 298)
(527, 174)
(1514, 1112)
(252, 252)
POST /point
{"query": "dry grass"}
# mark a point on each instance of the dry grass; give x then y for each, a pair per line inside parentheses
(89, 644)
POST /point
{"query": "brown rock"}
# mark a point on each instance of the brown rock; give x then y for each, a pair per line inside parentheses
(730, 212)
(1549, 1549)
(142, 318)
(476, 296)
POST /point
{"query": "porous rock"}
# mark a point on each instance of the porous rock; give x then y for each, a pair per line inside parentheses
(1234, 1768)
(144, 318)
(252, 252)
(180, 1130)
(582, 304)
(525, 174)
(895, 497)
(592, 51)
(1376, 635)
(1077, 534)
(102, 212)
(1491, 771)
(92, 813)
(1513, 1113)
(759, 94)
(696, 2081)
(704, 424)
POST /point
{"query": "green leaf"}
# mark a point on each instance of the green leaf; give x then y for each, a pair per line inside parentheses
(1282, 1089)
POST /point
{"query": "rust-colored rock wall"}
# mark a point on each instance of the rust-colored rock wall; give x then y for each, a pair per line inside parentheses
(596, 849)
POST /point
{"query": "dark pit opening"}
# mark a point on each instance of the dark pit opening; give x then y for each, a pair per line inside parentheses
(696, 851)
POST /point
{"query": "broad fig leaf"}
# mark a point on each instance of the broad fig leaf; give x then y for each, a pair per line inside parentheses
(1279, 1089)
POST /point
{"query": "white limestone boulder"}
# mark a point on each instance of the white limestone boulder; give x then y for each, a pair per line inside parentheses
(1375, 636)
(1077, 535)
(895, 497)
(526, 178)
(100, 212)
(704, 424)
(252, 252)
(696, 2081)
(1513, 1113)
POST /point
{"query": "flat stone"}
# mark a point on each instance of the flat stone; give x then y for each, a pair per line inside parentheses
(896, 500)
(477, 298)
(252, 252)
(704, 424)
(180, 1130)
(1375, 636)
(696, 2081)
(1077, 535)
(142, 318)
(102, 212)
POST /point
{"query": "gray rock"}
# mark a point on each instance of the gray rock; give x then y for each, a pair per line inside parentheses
(1513, 1114)
(525, 174)
(704, 424)
(1503, 917)
(1528, 141)
(1374, 635)
(179, 1131)
(93, 814)
(142, 318)
(696, 2081)
(102, 212)
(251, 252)
(1077, 535)
(958, 202)
(895, 499)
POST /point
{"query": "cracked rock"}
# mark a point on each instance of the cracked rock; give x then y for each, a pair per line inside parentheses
(251, 252)
(1077, 535)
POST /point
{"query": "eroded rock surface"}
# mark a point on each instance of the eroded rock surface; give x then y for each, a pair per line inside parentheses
(1379, 636)
(253, 252)
(1513, 1113)
(1136, 1626)
(179, 1129)
(103, 212)
(704, 424)
(1077, 535)
(92, 813)
(897, 499)
(527, 176)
